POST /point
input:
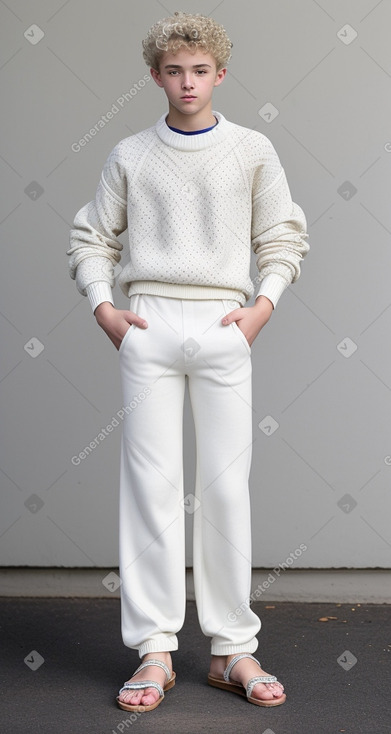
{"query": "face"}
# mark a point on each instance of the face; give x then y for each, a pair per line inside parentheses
(188, 79)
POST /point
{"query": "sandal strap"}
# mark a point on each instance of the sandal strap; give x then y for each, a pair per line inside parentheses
(234, 660)
(159, 663)
(259, 679)
(138, 684)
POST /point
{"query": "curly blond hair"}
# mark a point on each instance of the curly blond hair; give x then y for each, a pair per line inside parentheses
(189, 31)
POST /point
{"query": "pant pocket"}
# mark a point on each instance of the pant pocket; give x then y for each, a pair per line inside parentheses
(242, 337)
(228, 307)
(133, 306)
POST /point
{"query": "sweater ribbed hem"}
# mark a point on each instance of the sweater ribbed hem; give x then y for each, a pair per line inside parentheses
(174, 290)
(98, 292)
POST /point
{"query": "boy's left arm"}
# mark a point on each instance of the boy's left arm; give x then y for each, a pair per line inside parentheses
(278, 234)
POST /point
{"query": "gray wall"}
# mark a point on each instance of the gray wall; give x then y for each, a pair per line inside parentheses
(322, 364)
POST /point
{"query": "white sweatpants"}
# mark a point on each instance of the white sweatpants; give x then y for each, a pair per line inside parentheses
(185, 337)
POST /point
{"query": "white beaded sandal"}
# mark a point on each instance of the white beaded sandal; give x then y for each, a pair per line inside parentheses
(138, 684)
(236, 687)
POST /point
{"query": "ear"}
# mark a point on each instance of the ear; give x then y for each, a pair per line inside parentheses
(156, 77)
(220, 76)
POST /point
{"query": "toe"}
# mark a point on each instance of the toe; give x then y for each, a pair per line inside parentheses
(262, 692)
(277, 689)
(150, 695)
(144, 696)
(132, 698)
(267, 691)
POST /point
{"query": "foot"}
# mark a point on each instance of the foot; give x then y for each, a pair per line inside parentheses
(147, 696)
(242, 671)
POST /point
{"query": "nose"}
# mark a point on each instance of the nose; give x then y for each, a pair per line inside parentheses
(187, 82)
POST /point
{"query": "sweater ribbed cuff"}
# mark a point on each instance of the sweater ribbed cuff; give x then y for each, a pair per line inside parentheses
(99, 292)
(272, 286)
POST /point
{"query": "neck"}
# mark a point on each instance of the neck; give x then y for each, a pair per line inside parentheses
(189, 123)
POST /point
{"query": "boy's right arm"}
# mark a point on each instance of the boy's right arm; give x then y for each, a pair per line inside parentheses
(95, 250)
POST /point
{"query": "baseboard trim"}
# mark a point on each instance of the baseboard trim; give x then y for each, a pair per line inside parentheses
(301, 585)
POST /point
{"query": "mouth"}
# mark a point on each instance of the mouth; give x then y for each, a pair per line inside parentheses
(189, 96)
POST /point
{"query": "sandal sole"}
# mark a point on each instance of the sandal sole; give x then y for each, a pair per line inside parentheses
(240, 691)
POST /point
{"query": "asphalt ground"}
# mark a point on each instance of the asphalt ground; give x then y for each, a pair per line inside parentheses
(63, 662)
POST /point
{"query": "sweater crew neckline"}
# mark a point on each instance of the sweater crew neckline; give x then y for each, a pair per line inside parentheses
(177, 140)
(193, 132)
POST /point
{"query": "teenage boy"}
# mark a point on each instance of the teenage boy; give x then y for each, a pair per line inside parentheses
(197, 194)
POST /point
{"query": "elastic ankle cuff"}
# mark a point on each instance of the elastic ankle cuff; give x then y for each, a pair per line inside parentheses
(250, 646)
(158, 644)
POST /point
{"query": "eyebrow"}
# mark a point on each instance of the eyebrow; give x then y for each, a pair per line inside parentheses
(176, 66)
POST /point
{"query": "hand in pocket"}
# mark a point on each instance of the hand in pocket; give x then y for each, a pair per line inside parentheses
(116, 322)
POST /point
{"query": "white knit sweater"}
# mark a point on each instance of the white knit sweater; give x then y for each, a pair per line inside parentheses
(195, 206)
